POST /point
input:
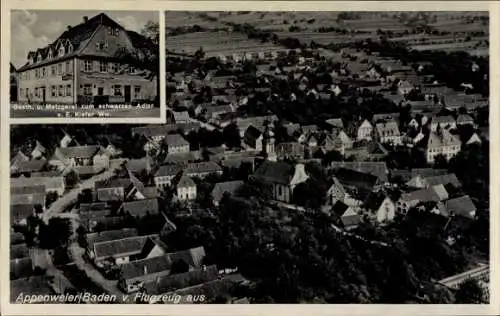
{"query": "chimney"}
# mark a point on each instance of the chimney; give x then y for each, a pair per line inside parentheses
(85, 19)
(68, 27)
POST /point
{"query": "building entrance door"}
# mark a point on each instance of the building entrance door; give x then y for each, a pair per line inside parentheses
(127, 93)
(100, 91)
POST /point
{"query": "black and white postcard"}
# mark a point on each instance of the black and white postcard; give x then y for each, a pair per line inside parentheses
(77, 64)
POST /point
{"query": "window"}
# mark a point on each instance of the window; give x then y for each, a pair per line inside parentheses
(53, 90)
(37, 73)
(61, 91)
(59, 68)
(39, 59)
(87, 89)
(61, 51)
(43, 72)
(68, 90)
(21, 90)
(117, 89)
(70, 48)
(87, 65)
(103, 66)
(36, 92)
(68, 67)
(51, 55)
(137, 91)
(53, 70)
(114, 31)
(113, 67)
(131, 70)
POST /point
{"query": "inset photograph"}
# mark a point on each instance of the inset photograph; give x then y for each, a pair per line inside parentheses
(84, 64)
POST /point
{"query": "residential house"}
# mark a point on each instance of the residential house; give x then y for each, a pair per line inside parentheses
(404, 87)
(27, 167)
(83, 66)
(443, 143)
(411, 199)
(31, 195)
(134, 275)
(365, 131)
(120, 251)
(376, 168)
(290, 150)
(140, 208)
(79, 156)
(388, 132)
(51, 184)
(422, 182)
(107, 235)
(19, 214)
(462, 206)
(186, 189)
(115, 190)
(282, 178)
(444, 122)
(202, 169)
(348, 215)
(165, 174)
(382, 207)
(351, 187)
(221, 188)
(176, 144)
(338, 141)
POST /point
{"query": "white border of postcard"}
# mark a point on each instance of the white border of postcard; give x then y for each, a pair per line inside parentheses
(491, 309)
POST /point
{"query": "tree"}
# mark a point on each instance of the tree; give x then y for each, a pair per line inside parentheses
(231, 136)
(56, 234)
(51, 197)
(86, 196)
(179, 266)
(470, 292)
(71, 178)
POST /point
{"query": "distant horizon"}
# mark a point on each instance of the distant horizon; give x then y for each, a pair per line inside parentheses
(33, 29)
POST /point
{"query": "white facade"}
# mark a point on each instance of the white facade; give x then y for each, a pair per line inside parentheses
(365, 131)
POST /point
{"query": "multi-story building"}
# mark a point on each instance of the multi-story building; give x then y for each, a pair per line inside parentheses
(442, 143)
(86, 65)
(388, 132)
(365, 131)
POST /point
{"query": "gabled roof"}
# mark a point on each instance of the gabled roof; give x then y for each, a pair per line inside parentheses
(450, 178)
(462, 206)
(335, 122)
(388, 128)
(120, 247)
(29, 166)
(185, 182)
(175, 140)
(168, 171)
(109, 235)
(48, 182)
(447, 119)
(275, 171)
(442, 139)
(79, 36)
(222, 187)
(33, 285)
(141, 207)
(146, 269)
(465, 118)
(76, 152)
(181, 280)
(202, 167)
(376, 168)
(365, 124)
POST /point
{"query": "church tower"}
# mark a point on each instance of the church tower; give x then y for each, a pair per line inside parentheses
(268, 145)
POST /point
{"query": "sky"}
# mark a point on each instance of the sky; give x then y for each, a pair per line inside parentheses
(33, 29)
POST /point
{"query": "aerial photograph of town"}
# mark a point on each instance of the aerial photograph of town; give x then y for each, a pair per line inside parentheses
(307, 157)
(84, 64)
